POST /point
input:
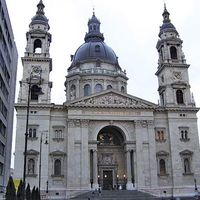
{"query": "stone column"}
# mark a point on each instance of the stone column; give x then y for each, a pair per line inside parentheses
(84, 155)
(134, 167)
(95, 179)
(129, 185)
(152, 155)
(78, 88)
(139, 178)
(70, 150)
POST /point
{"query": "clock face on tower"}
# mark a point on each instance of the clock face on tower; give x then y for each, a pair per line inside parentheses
(177, 75)
(36, 70)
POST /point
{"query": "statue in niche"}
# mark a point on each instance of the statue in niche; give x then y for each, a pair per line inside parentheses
(72, 92)
(105, 138)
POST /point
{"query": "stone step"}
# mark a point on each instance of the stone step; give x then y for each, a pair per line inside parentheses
(123, 195)
(115, 195)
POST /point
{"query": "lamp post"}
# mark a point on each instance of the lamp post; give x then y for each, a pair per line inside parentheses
(46, 142)
(29, 82)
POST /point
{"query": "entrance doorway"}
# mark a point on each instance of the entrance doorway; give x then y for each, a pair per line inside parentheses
(111, 157)
(107, 180)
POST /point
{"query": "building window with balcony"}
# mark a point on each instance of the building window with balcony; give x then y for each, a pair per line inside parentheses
(162, 160)
(160, 135)
(58, 163)
(58, 133)
(162, 167)
(186, 157)
(31, 166)
(184, 134)
(32, 132)
(57, 167)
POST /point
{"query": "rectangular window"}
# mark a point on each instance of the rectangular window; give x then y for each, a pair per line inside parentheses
(184, 134)
(32, 131)
(160, 135)
(2, 128)
(2, 149)
(58, 133)
(1, 168)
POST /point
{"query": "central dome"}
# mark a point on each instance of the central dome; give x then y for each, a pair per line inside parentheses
(93, 51)
(94, 47)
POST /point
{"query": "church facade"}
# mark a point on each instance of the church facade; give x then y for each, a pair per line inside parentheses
(101, 135)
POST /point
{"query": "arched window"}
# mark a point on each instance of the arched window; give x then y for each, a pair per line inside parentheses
(186, 134)
(57, 167)
(30, 132)
(179, 96)
(162, 167)
(186, 166)
(73, 92)
(35, 91)
(34, 132)
(31, 166)
(87, 90)
(37, 46)
(173, 52)
(98, 87)
(109, 87)
(122, 89)
(97, 48)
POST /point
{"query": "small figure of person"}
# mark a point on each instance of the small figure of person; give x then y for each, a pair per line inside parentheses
(99, 190)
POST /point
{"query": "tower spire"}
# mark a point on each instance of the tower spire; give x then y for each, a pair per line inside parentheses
(94, 29)
(40, 7)
(165, 15)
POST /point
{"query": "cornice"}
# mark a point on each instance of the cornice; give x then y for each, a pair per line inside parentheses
(110, 106)
(171, 65)
(40, 59)
(40, 106)
(177, 109)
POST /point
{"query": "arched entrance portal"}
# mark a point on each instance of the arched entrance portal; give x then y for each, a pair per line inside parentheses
(111, 158)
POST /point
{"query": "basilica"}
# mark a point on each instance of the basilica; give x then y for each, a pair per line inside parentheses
(101, 136)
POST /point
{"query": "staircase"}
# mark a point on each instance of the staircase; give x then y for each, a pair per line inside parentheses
(124, 195)
(115, 195)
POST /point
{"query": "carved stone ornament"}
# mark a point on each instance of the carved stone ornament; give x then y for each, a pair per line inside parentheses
(113, 99)
(36, 69)
(84, 123)
(177, 75)
(106, 159)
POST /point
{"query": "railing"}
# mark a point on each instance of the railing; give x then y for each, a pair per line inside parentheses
(97, 71)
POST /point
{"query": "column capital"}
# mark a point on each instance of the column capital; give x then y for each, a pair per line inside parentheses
(143, 123)
(84, 123)
(74, 123)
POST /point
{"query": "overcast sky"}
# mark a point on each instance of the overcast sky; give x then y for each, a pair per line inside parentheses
(130, 28)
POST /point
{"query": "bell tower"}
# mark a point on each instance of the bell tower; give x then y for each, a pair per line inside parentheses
(37, 63)
(172, 73)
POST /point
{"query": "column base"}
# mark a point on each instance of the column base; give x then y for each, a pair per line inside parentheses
(129, 186)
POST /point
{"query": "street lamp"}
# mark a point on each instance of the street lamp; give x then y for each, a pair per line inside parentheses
(37, 80)
(46, 142)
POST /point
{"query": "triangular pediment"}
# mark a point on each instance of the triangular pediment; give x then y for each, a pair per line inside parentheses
(186, 152)
(32, 152)
(57, 153)
(111, 98)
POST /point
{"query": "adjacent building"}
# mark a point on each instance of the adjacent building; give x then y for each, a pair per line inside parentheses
(101, 135)
(8, 69)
